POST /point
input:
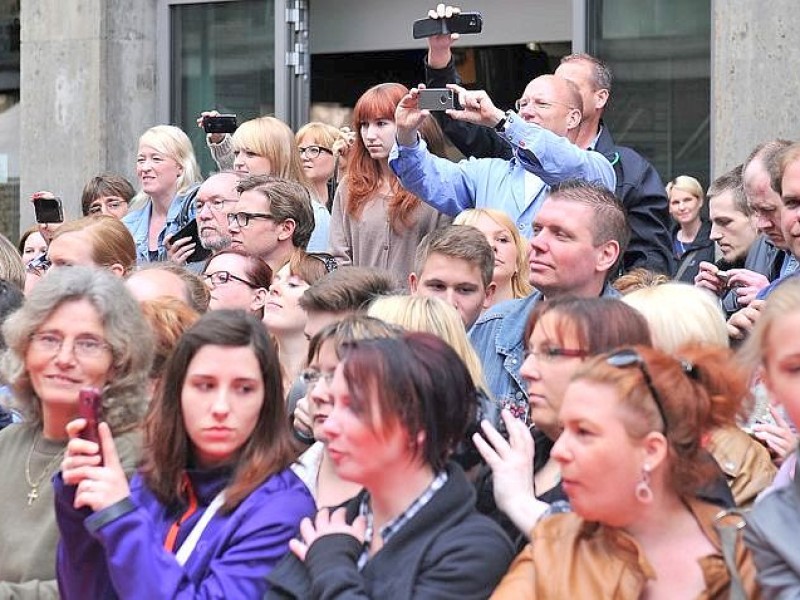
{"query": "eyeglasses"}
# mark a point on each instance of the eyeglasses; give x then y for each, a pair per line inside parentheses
(539, 104)
(326, 259)
(223, 277)
(313, 151)
(628, 357)
(215, 204)
(313, 376)
(549, 354)
(112, 205)
(242, 219)
(82, 347)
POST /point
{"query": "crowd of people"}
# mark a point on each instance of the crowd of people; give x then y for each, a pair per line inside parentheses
(376, 371)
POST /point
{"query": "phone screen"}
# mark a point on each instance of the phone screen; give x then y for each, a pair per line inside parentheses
(48, 210)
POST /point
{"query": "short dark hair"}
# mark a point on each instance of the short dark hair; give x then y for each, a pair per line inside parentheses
(464, 242)
(731, 182)
(287, 200)
(167, 450)
(106, 184)
(610, 221)
(420, 383)
(347, 289)
(602, 76)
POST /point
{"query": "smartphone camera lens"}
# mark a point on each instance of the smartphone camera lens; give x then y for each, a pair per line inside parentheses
(443, 99)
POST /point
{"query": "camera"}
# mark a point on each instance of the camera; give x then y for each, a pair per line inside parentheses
(438, 99)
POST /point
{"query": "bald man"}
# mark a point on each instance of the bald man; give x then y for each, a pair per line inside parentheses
(541, 132)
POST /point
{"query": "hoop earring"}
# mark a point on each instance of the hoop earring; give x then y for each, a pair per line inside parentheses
(643, 492)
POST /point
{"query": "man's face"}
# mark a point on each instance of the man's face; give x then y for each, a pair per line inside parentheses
(732, 230)
(790, 213)
(549, 105)
(581, 73)
(563, 258)
(764, 202)
(456, 281)
(260, 236)
(214, 199)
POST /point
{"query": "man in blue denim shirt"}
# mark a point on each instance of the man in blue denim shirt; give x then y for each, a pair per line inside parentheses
(579, 234)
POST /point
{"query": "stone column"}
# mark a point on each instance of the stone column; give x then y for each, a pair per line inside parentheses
(87, 93)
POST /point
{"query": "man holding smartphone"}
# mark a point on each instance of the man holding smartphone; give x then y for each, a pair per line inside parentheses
(214, 199)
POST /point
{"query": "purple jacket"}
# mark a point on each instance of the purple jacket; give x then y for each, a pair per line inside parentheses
(119, 551)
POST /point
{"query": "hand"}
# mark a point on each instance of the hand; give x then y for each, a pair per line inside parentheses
(477, 107)
(408, 117)
(180, 250)
(779, 438)
(46, 230)
(741, 322)
(326, 523)
(342, 146)
(512, 469)
(98, 486)
(707, 278)
(214, 138)
(302, 418)
(746, 284)
(439, 53)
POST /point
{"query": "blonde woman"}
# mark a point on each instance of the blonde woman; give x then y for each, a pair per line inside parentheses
(510, 251)
(691, 242)
(168, 174)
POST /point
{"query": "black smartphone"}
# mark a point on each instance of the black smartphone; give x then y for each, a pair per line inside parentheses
(220, 124)
(90, 407)
(466, 22)
(190, 230)
(48, 210)
(438, 99)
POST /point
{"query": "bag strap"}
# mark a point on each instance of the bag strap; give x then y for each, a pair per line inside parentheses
(186, 549)
(728, 537)
(686, 261)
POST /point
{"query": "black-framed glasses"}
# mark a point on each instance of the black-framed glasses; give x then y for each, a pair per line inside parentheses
(222, 277)
(628, 357)
(326, 259)
(314, 150)
(548, 354)
(242, 219)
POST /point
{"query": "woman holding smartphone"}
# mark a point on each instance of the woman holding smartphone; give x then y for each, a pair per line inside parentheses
(214, 505)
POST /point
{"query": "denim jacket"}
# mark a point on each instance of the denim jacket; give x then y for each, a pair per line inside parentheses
(138, 223)
(498, 338)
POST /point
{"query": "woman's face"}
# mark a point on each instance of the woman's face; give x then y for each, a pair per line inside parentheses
(248, 162)
(548, 373)
(158, 173)
(600, 463)
(683, 206)
(282, 312)
(319, 394)
(231, 291)
(378, 137)
(68, 352)
(34, 247)
(505, 251)
(782, 364)
(72, 249)
(221, 401)
(319, 168)
(360, 453)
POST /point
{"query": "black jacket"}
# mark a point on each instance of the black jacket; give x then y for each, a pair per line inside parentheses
(639, 186)
(700, 249)
(446, 551)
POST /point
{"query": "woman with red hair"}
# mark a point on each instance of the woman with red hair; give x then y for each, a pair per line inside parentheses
(374, 221)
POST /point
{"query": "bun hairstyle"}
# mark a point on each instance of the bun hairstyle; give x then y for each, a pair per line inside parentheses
(699, 388)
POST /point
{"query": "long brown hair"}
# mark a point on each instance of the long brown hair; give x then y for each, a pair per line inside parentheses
(363, 172)
(167, 450)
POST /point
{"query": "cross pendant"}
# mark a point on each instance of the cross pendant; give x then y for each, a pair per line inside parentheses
(32, 495)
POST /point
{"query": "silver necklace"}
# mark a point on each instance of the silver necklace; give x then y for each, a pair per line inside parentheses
(33, 494)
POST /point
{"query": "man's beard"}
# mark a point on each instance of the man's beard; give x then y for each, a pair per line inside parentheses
(220, 242)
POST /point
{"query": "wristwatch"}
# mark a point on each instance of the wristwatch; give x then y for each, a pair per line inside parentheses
(501, 124)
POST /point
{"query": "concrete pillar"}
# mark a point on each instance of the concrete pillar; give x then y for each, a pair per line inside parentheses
(87, 93)
(754, 78)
